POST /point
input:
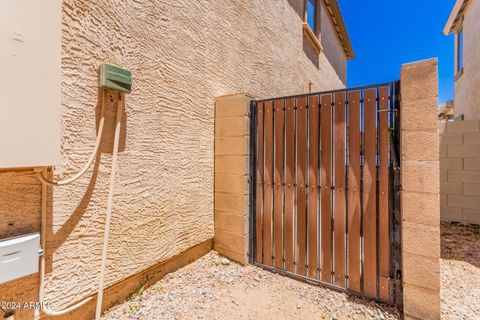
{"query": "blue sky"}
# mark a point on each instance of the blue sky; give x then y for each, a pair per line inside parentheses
(387, 33)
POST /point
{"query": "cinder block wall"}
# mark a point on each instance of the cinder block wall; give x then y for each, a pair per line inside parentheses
(420, 190)
(460, 171)
(232, 154)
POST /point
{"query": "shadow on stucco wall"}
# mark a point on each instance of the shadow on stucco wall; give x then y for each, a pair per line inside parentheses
(297, 6)
(311, 54)
(55, 240)
(112, 105)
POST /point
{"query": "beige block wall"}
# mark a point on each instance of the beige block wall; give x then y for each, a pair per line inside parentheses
(466, 97)
(420, 191)
(182, 56)
(460, 171)
(232, 155)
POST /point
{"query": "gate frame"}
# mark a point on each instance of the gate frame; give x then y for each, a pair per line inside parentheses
(395, 262)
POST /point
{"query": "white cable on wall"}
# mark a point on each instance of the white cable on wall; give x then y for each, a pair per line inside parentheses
(44, 180)
(108, 219)
(46, 310)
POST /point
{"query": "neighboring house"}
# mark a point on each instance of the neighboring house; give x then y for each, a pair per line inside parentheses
(182, 55)
(464, 22)
(460, 139)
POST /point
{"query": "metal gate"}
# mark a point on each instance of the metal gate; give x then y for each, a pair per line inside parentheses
(325, 195)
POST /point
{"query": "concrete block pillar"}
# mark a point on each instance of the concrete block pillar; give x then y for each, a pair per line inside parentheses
(232, 147)
(420, 198)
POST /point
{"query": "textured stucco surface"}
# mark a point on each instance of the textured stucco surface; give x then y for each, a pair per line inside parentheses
(331, 46)
(182, 55)
(467, 99)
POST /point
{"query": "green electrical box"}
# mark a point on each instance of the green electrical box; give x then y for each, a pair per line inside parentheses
(115, 78)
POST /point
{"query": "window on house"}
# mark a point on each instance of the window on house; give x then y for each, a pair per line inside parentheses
(311, 14)
(460, 51)
(311, 26)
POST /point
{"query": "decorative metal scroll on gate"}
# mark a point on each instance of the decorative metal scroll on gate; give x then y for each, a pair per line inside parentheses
(325, 202)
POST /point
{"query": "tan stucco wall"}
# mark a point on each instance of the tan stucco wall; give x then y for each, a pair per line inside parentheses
(331, 45)
(182, 55)
(466, 97)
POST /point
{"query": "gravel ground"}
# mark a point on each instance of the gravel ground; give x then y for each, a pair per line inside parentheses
(460, 272)
(215, 288)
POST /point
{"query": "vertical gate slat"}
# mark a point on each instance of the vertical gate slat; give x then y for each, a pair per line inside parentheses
(301, 247)
(326, 181)
(313, 187)
(339, 191)
(278, 185)
(383, 177)
(267, 215)
(369, 195)
(354, 191)
(260, 181)
(289, 182)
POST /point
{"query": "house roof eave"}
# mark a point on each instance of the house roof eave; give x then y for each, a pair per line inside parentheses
(336, 18)
(455, 17)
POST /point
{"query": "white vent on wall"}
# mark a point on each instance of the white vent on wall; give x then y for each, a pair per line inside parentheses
(19, 256)
(30, 79)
